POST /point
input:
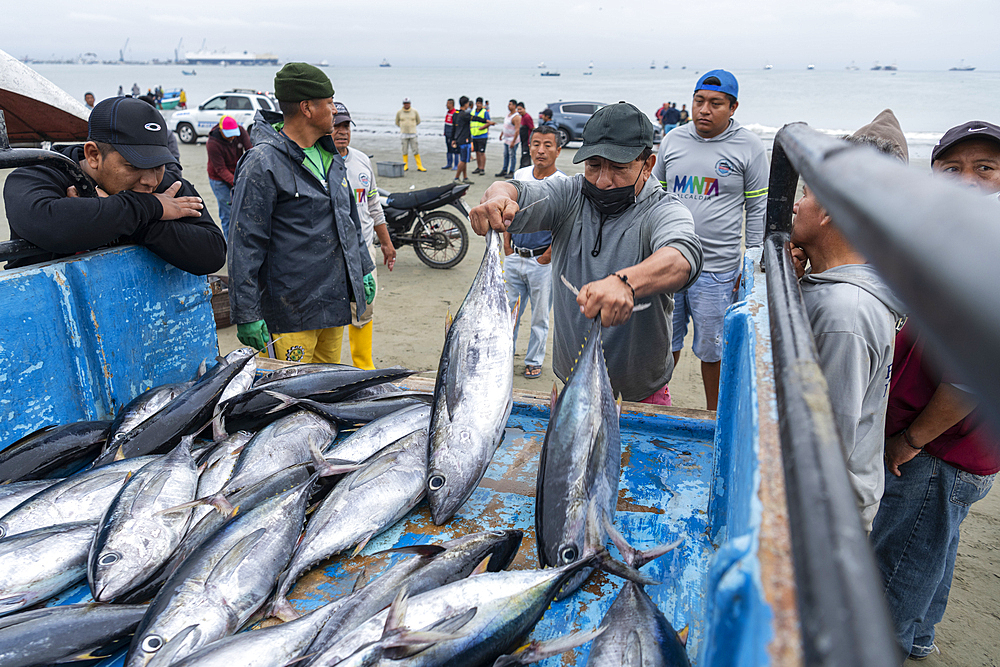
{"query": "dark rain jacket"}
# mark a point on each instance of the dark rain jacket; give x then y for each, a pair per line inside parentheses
(297, 258)
(39, 211)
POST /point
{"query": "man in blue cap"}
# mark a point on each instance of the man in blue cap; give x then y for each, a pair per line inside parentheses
(719, 170)
(618, 237)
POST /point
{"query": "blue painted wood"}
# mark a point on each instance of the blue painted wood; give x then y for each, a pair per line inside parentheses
(83, 336)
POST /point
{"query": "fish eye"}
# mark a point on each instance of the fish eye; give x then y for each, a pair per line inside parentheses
(568, 554)
(498, 533)
(435, 482)
(3, 531)
(109, 558)
(152, 643)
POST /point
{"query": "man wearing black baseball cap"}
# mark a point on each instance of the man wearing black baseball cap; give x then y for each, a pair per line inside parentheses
(137, 201)
(619, 237)
(971, 153)
(297, 256)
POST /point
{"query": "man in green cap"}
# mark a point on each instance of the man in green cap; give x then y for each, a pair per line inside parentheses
(619, 237)
(297, 257)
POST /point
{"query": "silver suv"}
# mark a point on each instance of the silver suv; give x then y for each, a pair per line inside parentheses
(240, 103)
(570, 117)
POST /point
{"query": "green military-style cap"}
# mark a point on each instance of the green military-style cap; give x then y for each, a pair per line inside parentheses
(301, 81)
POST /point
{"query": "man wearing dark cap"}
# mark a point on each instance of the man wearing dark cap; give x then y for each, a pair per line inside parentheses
(298, 257)
(941, 453)
(719, 170)
(618, 237)
(137, 202)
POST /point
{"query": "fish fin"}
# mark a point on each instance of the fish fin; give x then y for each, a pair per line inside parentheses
(423, 550)
(514, 311)
(283, 609)
(374, 469)
(397, 611)
(360, 582)
(203, 368)
(286, 401)
(553, 397)
(219, 426)
(236, 555)
(568, 284)
(536, 650)
(657, 551)
(218, 501)
(329, 468)
(628, 552)
(405, 643)
(362, 544)
(617, 568)
(683, 634)
(448, 321)
(483, 566)
(120, 455)
(153, 487)
(618, 404)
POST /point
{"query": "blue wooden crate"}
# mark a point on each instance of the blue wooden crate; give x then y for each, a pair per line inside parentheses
(84, 335)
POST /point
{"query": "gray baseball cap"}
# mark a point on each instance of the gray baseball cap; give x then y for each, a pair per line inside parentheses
(617, 132)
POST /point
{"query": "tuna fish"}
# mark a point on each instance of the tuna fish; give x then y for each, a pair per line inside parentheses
(54, 451)
(66, 633)
(284, 443)
(37, 564)
(362, 505)
(239, 384)
(474, 391)
(217, 468)
(220, 586)
(637, 631)
(12, 495)
(141, 528)
(141, 408)
(373, 437)
(82, 497)
(359, 411)
(580, 460)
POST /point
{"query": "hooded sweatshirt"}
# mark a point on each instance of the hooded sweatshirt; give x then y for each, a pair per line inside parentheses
(716, 178)
(854, 317)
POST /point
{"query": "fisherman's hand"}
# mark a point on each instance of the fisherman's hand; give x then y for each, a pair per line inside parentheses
(174, 207)
(610, 297)
(388, 255)
(799, 260)
(496, 209)
(369, 282)
(897, 452)
(72, 193)
(545, 257)
(253, 334)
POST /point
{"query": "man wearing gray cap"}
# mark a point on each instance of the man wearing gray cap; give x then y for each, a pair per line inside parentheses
(297, 252)
(619, 237)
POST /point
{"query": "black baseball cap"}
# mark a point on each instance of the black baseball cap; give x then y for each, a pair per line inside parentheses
(971, 130)
(617, 132)
(342, 114)
(134, 128)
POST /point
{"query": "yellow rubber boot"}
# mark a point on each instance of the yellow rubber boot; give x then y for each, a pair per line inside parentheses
(361, 346)
(406, 163)
(416, 158)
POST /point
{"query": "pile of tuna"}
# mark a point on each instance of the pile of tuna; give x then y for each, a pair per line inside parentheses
(184, 542)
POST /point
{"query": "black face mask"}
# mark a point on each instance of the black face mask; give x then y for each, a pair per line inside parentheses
(613, 201)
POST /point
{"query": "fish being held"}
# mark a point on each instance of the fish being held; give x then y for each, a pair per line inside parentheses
(474, 391)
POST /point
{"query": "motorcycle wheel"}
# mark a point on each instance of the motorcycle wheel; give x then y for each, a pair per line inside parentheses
(442, 240)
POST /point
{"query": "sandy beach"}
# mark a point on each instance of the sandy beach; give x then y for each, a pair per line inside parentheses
(413, 301)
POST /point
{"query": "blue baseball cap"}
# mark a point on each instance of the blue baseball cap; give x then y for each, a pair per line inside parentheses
(727, 83)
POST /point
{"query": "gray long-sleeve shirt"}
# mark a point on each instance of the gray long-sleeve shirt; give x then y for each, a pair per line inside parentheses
(715, 178)
(637, 352)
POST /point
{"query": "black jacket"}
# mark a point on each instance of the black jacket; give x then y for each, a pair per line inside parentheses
(297, 257)
(39, 211)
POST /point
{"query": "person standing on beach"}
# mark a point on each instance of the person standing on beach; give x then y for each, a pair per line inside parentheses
(545, 118)
(227, 142)
(361, 178)
(135, 90)
(462, 141)
(527, 266)
(449, 134)
(619, 238)
(527, 127)
(941, 453)
(297, 257)
(480, 129)
(684, 115)
(510, 137)
(407, 120)
(718, 169)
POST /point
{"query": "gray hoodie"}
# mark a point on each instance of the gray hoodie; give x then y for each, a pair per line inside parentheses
(853, 317)
(716, 178)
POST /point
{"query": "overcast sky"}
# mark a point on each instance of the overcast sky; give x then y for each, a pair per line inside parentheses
(915, 34)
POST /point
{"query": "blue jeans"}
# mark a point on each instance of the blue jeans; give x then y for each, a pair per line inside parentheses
(669, 126)
(915, 539)
(224, 195)
(525, 278)
(705, 303)
(510, 158)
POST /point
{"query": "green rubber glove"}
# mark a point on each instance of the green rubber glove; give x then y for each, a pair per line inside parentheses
(253, 334)
(369, 288)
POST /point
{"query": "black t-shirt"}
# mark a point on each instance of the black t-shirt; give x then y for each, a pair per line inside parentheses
(463, 132)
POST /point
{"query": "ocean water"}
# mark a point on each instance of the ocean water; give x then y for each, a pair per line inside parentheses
(836, 101)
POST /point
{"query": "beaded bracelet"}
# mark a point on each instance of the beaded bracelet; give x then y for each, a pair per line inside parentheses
(622, 277)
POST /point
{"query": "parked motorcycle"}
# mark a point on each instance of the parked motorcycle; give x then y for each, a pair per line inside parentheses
(439, 238)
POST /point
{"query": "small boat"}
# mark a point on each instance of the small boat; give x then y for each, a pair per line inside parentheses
(652, 65)
(587, 73)
(36, 109)
(547, 73)
(889, 68)
(591, 65)
(187, 73)
(769, 66)
(961, 67)
(541, 65)
(170, 99)
(810, 66)
(852, 67)
(384, 63)
(876, 67)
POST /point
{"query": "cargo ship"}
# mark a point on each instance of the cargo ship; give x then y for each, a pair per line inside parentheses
(230, 58)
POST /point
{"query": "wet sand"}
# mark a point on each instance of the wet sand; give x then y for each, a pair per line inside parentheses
(413, 301)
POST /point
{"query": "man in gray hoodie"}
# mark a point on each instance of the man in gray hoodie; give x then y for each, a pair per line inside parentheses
(854, 318)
